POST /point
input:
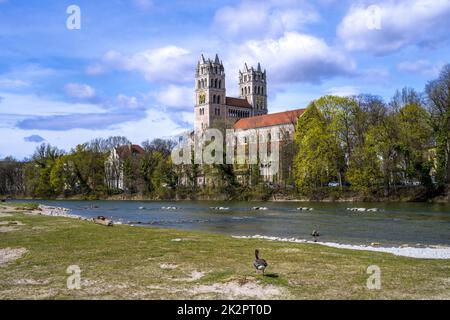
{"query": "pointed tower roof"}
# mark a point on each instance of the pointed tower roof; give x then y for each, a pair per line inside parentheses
(216, 60)
(259, 67)
(203, 59)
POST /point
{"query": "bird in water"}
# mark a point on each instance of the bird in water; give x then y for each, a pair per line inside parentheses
(315, 235)
(259, 264)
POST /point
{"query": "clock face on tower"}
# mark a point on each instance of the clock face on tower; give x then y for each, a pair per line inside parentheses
(201, 98)
(260, 101)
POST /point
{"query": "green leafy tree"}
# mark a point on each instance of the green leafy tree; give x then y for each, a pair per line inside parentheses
(438, 94)
(315, 163)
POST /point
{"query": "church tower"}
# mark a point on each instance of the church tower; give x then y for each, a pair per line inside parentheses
(210, 93)
(253, 87)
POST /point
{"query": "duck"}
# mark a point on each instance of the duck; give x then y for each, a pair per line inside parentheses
(259, 264)
(315, 235)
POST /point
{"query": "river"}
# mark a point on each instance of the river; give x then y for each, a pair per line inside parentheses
(396, 224)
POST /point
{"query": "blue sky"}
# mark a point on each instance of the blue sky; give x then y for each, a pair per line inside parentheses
(129, 69)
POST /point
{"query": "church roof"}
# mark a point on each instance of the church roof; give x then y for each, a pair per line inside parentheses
(268, 120)
(125, 151)
(236, 102)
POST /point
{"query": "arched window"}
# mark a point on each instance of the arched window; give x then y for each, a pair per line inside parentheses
(262, 90)
(216, 83)
(218, 99)
(199, 84)
(245, 90)
(249, 90)
(220, 84)
(242, 91)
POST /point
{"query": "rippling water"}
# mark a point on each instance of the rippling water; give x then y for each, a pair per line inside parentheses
(396, 224)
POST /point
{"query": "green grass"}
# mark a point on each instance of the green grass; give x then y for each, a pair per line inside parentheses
(21, 205)
(124, 262)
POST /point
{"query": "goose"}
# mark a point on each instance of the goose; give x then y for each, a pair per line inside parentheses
(259, 264)
(315, 235)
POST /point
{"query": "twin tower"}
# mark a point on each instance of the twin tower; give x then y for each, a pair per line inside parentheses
(213, 107)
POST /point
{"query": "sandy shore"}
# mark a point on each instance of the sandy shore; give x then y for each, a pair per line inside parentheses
(431, 252)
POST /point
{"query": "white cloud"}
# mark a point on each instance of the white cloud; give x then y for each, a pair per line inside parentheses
(424, 67)
(154, 124)
(177, 97)
(8, 83)
(125, 101)
(24, 76)
(402, 23)
(170, 63)
(257, 19)
(343, 91)
(95, 69)
(79, 91)
(30, 104)
(294, 58)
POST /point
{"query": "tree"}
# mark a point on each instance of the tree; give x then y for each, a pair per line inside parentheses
(340, 114)
(102, 145)
(314, 163)
(11, 177)
(164, 146)
(415, 143)
(438, 95)
(37, 171)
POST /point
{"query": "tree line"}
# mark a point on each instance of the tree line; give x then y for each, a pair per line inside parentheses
(374, 146)
(360, 144)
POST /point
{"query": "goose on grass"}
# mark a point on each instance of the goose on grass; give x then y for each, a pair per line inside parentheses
(259, 264)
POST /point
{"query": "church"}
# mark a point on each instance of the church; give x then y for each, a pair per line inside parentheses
(249, 111)
(212, 103)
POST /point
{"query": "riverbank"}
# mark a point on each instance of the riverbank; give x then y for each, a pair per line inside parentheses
(423, 252)
(124, 262)
(332, 198)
